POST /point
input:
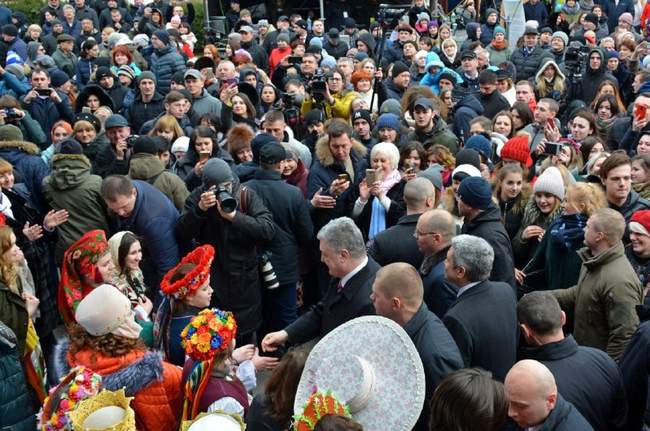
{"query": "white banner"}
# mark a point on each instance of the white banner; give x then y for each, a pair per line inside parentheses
(513, 12)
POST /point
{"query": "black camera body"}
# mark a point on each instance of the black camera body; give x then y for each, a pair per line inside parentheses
(575, 60)
(226, 200)
(130, 141)
(318, 86)
(11, 114)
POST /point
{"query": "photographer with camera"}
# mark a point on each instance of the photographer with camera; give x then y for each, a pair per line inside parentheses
(294, 231)
(331, 94)
(11, 113)
(46, 105)
(235, 221)
(114, 158)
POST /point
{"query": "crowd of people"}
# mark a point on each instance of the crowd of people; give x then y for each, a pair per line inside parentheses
(313, 225)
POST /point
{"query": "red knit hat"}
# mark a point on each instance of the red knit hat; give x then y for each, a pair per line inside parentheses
(517, 149)
(640, 222)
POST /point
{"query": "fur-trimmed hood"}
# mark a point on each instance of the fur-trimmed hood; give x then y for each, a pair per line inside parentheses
(133, 377)
(24, 146)
(324, 154)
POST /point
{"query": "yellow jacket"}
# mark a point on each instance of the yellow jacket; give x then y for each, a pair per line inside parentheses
(342, 107)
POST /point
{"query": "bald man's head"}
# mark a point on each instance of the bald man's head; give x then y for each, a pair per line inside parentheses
(397, 290)
(531, 391)
(436, 229)
(417, 192)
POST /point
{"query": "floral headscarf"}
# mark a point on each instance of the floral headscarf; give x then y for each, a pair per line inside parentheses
(80, 266)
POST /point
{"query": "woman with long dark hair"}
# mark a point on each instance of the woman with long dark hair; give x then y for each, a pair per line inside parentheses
(272, 410)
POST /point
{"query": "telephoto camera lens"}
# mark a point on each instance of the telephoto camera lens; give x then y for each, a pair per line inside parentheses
(227, 202)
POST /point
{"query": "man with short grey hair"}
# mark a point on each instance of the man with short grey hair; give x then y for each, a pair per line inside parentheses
(484, 314)
(344, 253)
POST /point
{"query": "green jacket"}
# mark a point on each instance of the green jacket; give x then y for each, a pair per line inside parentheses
(149, 168)
(13, 313)
(604, 300)
(65, 62)
(71, 186)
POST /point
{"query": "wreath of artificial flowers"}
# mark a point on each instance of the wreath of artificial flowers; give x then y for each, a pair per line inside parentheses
(318, 405)
(79, 384)
(208, 333)
(202, 257)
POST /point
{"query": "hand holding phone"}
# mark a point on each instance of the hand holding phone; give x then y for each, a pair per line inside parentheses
(552, 148)
(371, 177)
(640, 111)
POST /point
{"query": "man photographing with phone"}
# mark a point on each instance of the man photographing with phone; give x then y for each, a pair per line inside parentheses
(45, 104)
(339, 165)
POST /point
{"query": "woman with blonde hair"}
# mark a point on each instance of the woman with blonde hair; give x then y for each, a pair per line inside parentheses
(556, 264)
(512, 194)
(167, 127)
(18, 308)
(549, 82)
(449, 53)
(541, 210)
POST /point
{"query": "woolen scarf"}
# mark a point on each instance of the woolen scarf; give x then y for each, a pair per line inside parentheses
(568, 231)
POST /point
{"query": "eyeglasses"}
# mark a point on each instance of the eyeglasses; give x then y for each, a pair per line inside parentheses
(418, 234)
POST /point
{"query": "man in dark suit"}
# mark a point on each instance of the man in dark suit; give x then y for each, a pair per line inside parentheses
(483, 320)
(344, 252)
(434, 232)
(398, 295)
(398, 243)
(586, 377)
(483, 219)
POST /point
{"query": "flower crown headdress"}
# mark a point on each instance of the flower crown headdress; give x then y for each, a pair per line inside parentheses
(209, 333)
(202, 257)
(318, 405)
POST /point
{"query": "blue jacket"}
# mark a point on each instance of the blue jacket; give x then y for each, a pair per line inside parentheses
(73, 30)
(83, 69)
(46, 112)
(487, 33)
(537, 12)
(154, 220)
(439, 293)
(5, 15)
(28, 166)
(19, 47)
(12, 86)
(433, 80)
(164, 63)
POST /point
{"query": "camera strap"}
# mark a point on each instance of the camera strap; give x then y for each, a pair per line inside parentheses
(243, 199)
